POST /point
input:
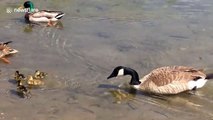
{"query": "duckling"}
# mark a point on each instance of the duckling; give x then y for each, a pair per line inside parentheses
(5, 51)
(23, 91)
(39, 75)
(18, 76)
(46, 16)
(165, 80)
(34, 82)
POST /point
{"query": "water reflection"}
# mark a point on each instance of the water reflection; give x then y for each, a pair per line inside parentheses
(121, 96)
(184, 102)
(29, 27)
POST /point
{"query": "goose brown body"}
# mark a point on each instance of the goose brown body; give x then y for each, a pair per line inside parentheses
(170, 80)
(165, 80)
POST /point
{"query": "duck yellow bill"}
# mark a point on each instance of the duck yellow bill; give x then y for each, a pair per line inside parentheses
(13, 51)
(21, 7)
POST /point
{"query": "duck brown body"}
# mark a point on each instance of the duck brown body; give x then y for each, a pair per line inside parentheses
(5, 50)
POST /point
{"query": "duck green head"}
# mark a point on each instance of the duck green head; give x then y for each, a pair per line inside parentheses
(30, 5)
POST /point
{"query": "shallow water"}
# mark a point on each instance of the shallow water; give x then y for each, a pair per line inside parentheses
(97, 36)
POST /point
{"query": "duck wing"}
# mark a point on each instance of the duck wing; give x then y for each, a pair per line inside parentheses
(48, 14)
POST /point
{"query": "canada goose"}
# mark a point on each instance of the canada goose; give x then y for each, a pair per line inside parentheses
(165, 80)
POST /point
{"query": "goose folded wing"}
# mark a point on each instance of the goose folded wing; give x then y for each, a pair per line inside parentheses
(168, 75)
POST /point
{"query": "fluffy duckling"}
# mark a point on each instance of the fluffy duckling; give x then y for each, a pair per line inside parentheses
(38, 16)
(34, 82)
(39, 75)
(165, 80)
(22, 90)
(18, 76)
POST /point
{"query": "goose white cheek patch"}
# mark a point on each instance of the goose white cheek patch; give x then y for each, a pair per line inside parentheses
(121, 72)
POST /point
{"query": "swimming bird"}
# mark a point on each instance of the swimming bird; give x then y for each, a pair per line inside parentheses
(39, 75)
(34, 82)
(5, 50)
(37, 16)
(22, 90)
(4, 44)
(19, 77)
(165, 80)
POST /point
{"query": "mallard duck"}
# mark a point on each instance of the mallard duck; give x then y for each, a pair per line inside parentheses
(34, 82)
(5, 50)
(165, 80)
(39, 75)
(22, 90)
(3, 45)
(36, 16)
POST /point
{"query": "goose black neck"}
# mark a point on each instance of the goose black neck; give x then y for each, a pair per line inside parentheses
(133, 74)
